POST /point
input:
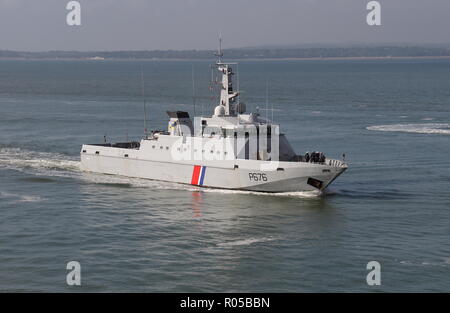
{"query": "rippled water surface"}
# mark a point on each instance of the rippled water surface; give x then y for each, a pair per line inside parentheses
(391, 118)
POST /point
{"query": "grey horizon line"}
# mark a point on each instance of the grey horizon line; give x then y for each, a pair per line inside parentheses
(275, 47)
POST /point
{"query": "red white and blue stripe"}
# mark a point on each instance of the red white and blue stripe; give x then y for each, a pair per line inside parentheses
(198, 175)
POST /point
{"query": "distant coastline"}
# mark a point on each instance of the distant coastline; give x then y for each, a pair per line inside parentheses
(334, 53)
(247, 59)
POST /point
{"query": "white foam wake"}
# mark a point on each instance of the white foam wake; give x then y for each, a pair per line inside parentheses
(295, 194)
(428, 128)
(19, 159)
(20, 197)
(245, 242)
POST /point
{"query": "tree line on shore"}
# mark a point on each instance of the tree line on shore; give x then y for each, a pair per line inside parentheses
(241, 53)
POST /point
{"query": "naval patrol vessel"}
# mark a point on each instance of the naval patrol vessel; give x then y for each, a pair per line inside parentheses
(231, 149)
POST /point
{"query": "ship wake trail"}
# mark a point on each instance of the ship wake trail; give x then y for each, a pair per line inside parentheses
(245, 242)
(293, 194)
(425, 128)
(20, 197)
(43, 163)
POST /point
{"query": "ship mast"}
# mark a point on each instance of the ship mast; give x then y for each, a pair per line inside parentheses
(219, 52)
(228, 96)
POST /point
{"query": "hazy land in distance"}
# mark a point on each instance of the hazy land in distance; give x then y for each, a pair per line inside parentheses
(259, 53)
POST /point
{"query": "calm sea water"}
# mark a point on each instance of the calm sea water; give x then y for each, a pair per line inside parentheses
(390, 117)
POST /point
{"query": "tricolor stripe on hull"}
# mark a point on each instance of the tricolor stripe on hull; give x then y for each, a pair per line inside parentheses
(198, 175)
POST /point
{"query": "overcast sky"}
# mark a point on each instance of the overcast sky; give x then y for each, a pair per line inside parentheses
(39, 25)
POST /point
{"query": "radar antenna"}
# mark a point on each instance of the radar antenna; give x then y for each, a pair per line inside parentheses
(143, 98)
(219, 52)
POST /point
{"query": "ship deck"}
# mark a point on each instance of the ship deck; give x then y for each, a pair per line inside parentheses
(121, 145)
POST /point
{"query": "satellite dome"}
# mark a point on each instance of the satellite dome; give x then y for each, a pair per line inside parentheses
(219, 111)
